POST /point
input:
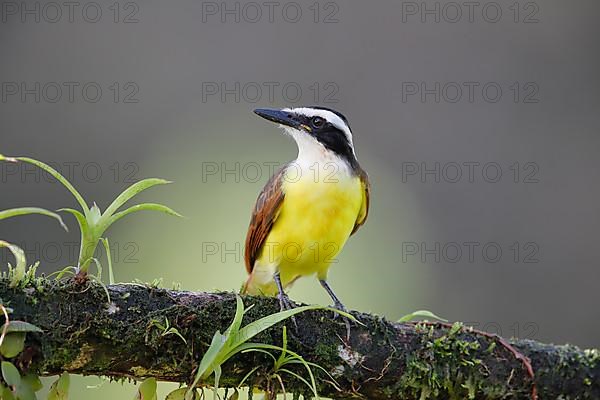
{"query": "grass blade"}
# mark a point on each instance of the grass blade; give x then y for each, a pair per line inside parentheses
(311, 386)
(217, 343)
(253, 370)
(249, 347)
(111, 276)
(59, 178)
(141, 207)
(132, 191)
(20, 265)
(14, 212)
(83, 225)
(217, 379)
(254, 328)
(257, 350)
(421, 314)
(21, 326)
(237, 320)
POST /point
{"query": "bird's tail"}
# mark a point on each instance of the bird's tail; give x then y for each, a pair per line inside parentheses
(254, 287)
(246, 288)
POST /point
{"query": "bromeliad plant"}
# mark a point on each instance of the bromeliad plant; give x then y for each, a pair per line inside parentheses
(92, 222)
(236, 339)
(17, 273)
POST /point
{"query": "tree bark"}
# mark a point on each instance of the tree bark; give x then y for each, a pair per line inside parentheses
(84, 334)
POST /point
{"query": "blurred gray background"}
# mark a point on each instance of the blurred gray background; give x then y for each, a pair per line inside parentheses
(478, 126)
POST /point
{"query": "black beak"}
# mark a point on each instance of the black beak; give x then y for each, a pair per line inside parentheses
(278, 116)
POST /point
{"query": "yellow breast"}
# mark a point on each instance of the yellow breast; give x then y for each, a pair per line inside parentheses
(316, 218)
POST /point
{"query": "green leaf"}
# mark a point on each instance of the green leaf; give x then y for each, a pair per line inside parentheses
(10, 373)
(421, 314)
(256, 327)
(295, 359)
(249, 347)
(83, 225)
(253, 370)
(177, 394)
(142, 207)
(88, 243)
(33, 381)
(132, 191)
(9, 159)
(147, 390)
(21, 326)
(311, 386)
(111, 275)
(237, 319)
(456, 327)
(60, 388)
(217, 379)
(192, 394)
(59, 178)
(25, 391)
(225, 346)
(94, 215)
(13, 344)
(217, 343)
(14, 212)
(21, 264)
(6, 393)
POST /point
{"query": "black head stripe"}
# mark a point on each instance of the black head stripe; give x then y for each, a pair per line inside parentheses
(335, 140)
(339, 114)
(329, 135)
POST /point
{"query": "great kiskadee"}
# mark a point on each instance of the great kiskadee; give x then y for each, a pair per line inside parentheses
(309, 208)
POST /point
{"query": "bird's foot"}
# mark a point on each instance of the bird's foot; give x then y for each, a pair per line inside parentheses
(339, 306)
(286, 304)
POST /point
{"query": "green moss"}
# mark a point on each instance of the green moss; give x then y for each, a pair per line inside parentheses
(326, 352)
(431, 363)
(447, 366)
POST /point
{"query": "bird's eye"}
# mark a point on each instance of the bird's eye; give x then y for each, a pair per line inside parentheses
(317, 122)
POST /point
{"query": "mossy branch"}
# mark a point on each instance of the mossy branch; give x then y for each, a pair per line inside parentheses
(83, 334)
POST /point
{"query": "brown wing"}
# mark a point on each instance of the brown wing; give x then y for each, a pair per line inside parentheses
(364, 209)
(264, 215)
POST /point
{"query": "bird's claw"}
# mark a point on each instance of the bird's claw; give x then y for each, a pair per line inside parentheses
(339, 306)
(286, 304)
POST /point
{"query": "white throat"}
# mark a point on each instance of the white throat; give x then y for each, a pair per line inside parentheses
(313, 156)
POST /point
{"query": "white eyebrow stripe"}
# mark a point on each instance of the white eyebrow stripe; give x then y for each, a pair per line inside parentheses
(328, 116)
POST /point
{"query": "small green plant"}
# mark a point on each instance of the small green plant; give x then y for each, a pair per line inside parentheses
(92, 222)
(421, 314)
(12, 342)
(18, 387)
(60, 388)
(287, 357)
(166, 329)
(235, 340)
(147, 390)
(17, 274)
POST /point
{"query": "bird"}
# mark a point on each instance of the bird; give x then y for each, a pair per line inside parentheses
(309, 208)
